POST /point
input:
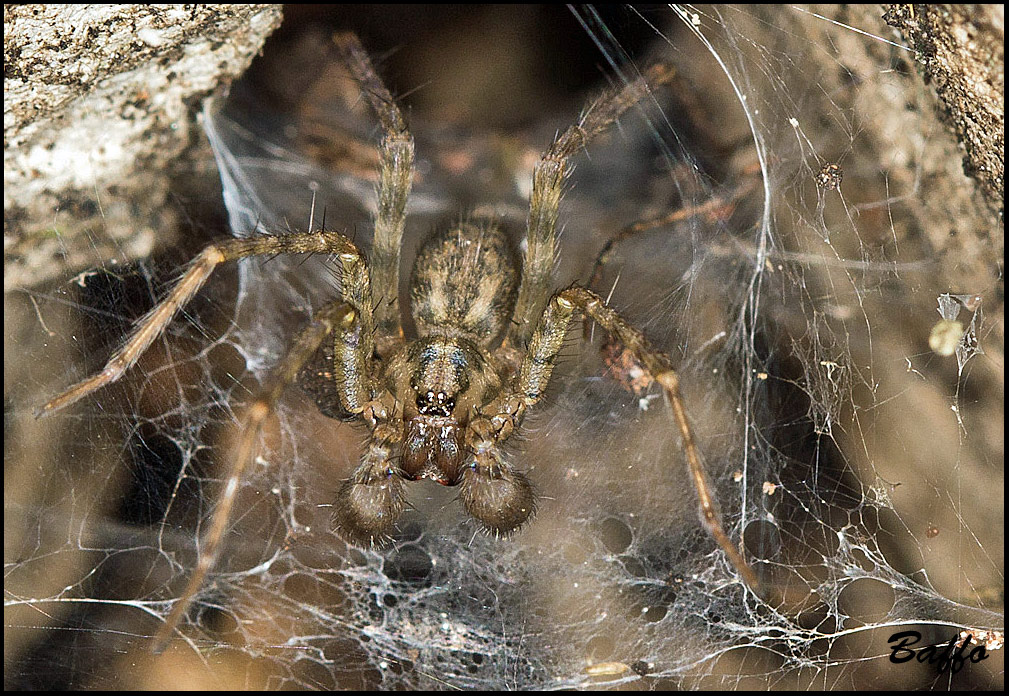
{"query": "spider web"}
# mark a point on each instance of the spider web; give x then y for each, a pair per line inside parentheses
(861, 469)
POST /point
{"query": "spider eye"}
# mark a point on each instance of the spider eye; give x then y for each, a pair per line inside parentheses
(435, 404)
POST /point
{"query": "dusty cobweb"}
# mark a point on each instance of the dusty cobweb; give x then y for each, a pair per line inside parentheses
(797, 308)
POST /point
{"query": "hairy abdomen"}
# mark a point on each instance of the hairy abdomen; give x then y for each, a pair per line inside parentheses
(464, 281)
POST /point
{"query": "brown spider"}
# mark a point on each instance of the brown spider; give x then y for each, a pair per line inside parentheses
(438, 406)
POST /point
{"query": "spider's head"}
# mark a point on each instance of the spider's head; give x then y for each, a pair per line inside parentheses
(441, 380)
(442, 377)
(440, 373)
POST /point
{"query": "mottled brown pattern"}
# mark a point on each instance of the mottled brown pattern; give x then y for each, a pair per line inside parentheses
(464, 280)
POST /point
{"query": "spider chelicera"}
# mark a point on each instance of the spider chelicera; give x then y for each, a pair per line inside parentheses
(440, 405)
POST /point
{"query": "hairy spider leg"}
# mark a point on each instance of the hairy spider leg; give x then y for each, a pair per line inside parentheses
(338, 318)
(717, 208)
(396, 155)
(548, 185)
(485, 466)
(356, 291)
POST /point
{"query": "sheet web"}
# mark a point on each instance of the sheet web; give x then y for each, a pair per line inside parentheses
(860, 468)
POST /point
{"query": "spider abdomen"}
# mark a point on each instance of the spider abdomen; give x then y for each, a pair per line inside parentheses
(464, 282)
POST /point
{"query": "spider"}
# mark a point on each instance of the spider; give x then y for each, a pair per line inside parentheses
(440, 405)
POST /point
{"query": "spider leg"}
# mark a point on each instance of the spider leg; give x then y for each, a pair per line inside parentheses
(396, 154)
(715, 209)
(548, 184)
(355, 289)
(337, 316)
(718, 208)
(537, 366)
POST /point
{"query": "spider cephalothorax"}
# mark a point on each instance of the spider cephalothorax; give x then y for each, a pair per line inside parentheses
(441, 404)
